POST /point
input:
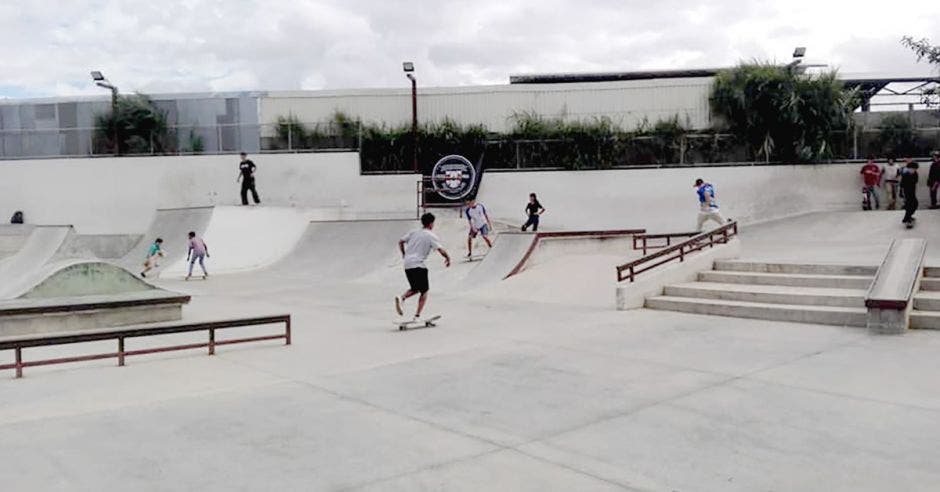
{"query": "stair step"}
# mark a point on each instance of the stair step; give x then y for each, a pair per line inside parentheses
(795, 268)
(826, 315)
(787, 279)
(930, 284)
(925, 320)
(769, 294)
(927, 301)
(932, 272)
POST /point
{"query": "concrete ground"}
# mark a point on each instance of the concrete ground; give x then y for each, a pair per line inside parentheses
(506, 394)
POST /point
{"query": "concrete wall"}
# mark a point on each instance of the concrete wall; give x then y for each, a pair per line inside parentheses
(119, 195)
(626, 103)
(664, 200)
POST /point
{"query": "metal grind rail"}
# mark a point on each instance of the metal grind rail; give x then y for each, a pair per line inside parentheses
(641, 241)
(17, 345)
(678, 251)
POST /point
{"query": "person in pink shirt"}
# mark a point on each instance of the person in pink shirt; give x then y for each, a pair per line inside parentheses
(197, 250)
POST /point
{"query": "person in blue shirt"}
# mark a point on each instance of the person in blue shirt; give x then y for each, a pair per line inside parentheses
(708, 204)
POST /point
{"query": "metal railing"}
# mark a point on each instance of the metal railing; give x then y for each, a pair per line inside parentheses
(17, 345)
(641, 241)
(709, 239)
(384, 151)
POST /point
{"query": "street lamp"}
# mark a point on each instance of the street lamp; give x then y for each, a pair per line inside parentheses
(409, 69)
(798, 53)
(101, 81)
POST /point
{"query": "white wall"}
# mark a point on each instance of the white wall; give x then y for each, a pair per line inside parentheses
(119, 195)
(664, 200)
(626, 103)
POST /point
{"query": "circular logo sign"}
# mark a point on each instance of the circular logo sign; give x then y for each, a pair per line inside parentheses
(453, 177)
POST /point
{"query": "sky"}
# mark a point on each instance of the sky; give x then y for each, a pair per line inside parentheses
(49, 47)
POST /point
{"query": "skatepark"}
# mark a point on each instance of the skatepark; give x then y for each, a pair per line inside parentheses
(746, 366)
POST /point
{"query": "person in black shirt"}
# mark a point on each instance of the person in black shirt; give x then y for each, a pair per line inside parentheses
(246, 175)
(533, 209)
(909, 188)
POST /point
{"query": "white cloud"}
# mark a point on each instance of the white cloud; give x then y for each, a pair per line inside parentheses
(48, 47)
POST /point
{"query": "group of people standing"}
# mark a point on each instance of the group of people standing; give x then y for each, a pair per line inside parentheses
(899, 181)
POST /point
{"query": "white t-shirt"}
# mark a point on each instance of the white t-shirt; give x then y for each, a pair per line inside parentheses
(477, 215)
(890, 172)
(418, 245)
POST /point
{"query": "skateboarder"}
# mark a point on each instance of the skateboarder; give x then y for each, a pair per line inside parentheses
(246, 174)
(708, 205)
(415, 248)
(197, 250)
(533, 209)
(909, 188)
(153, 252)
(479, 224)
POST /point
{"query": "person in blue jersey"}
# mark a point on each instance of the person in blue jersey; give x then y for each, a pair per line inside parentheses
(479, 224)
(708, 204)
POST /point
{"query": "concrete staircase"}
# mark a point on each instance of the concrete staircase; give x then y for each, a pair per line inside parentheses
(803, 293)
(926, 313)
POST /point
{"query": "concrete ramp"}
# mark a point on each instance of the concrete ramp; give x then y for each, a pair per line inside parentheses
(345, 250)
(12, 238)
(172, 225)
(242, 239)
(43, 245)
(70, 278)
(508, 256)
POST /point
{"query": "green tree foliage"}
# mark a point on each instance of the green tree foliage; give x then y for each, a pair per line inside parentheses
(136, 126)
(923, 49)
(781, 114)
(896, 138)
(926, 51)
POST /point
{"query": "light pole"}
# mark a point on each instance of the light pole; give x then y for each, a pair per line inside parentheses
(101, 81)
(409, 69)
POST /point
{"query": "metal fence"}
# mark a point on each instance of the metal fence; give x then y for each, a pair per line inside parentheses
(392, 151)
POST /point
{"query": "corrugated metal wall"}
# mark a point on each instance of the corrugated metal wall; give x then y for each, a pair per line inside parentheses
(625, 103)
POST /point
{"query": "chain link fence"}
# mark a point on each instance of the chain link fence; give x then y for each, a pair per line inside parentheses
(393, 151)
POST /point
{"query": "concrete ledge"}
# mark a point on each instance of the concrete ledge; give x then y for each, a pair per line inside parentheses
(889, 299)
(632, 295)
(55, 315)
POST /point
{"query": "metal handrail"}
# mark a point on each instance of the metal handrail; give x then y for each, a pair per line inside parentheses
(720, 235)
(20, 343)
(668, 237)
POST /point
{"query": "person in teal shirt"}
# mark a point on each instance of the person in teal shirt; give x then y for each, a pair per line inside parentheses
(153, 252)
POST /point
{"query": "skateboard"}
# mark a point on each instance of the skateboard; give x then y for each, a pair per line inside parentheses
(417, 323)
(470, 259)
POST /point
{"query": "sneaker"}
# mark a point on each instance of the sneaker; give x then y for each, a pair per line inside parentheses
(187, 277)
(205, 276)
(143, 274)
(398, 306)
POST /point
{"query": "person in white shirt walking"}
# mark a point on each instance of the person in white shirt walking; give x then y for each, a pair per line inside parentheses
(479, 224)
(415, 248)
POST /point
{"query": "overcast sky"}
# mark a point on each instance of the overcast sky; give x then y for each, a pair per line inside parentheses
(48, 47)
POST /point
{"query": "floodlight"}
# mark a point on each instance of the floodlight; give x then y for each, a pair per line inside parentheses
(799, 52)
(97, 76)
(408, 67)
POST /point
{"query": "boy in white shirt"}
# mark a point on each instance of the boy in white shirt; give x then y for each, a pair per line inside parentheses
(479, 224)
(415, 248)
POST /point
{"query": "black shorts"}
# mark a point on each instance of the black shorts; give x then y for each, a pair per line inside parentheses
(418, 279)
